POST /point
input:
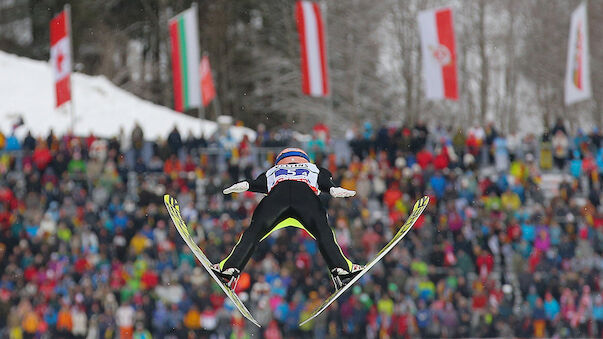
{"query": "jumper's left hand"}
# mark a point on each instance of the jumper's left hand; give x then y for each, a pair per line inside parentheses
(340, 192)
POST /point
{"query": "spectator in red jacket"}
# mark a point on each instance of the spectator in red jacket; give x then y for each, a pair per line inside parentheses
(424, 158)
(42, 156)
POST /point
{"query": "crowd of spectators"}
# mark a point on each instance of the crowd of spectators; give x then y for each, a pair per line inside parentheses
(87, 249)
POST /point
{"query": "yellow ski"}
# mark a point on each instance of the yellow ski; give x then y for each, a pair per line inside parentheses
(174, 209)
(418, 209)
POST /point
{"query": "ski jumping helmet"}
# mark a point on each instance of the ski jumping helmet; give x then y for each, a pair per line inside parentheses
(292, 156)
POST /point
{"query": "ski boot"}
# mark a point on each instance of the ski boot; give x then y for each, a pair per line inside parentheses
(342, 277)
(229, 276)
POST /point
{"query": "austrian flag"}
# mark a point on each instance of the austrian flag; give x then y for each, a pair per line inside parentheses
(315, 80)
(60, 56)
(439, 53)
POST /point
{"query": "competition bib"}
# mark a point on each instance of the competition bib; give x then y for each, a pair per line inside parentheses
(306, 172)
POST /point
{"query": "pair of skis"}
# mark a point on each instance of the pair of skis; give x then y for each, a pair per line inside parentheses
(174, 210)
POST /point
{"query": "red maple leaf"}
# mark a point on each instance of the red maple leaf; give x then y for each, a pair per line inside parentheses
(60, 59)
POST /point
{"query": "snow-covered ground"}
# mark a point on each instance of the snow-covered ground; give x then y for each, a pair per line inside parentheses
(27, 90)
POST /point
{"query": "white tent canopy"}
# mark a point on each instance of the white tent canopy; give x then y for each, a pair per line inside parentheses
(27, 91)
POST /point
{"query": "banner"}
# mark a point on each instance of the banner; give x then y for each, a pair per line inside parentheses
(315, 80)
(60, 56)
(208, 91)
(184, 39)
(439, 53)
(577, 74)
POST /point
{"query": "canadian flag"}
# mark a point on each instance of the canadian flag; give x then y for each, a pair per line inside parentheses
(315, 80)
(439, 53)
(208, 91)
(60, 56)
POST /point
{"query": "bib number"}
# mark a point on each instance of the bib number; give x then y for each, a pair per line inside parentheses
(295, 172)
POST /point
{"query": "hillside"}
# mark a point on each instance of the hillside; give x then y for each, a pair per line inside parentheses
(100, 106)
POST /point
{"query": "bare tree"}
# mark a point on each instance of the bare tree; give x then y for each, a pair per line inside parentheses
(509, 112)
(406, 36)
(595, 32)
(485, 76)
(511, 57)
(543, 57)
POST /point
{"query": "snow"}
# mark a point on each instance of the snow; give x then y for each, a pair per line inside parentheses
(27, 90)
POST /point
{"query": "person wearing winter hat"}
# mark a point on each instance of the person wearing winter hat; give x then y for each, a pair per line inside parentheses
(291, 186)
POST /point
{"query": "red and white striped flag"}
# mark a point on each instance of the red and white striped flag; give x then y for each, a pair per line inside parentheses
(60, 56)
(208, 91)
(439, 53)
(577, 74)
(315, 80)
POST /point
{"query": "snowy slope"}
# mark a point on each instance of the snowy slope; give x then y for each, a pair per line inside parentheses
(26, 89)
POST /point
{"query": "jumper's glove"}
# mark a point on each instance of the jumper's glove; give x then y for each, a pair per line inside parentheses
(340, 192)
(237, 188)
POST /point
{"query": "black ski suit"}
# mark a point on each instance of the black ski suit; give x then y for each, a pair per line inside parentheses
(289, 199)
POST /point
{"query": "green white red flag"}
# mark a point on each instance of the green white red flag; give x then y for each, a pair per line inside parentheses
(184, 37)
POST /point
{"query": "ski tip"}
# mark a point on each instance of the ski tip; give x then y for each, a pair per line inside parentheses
(304, 322)
(422, 202)
(169, 201)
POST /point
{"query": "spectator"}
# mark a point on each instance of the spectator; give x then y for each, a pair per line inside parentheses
(560, 148)
(539, 316)
(598, 313)
(124, 319)
(11, 143)
(174, 141)
(85, 229)
(141, 332)
(551, 307)
(29, 143)
(64, 322)
(137, 140)
(192, 319)
(558, 127)
(80, 321)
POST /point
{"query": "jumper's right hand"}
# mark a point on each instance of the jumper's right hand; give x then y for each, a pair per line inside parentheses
(340, 192)
(237, 188)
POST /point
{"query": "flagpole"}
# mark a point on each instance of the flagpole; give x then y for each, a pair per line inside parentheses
(216, 99)
(331, 117)
(67, 9)
(200, 108)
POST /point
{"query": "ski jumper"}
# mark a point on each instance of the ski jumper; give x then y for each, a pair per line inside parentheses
(292, 200)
